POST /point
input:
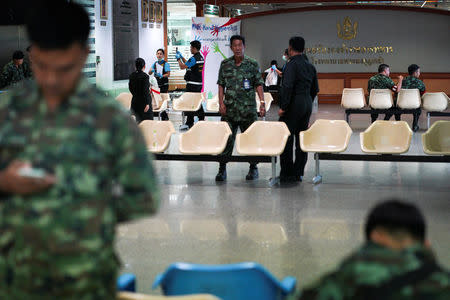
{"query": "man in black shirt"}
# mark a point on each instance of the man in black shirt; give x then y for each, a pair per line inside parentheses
(299, 88)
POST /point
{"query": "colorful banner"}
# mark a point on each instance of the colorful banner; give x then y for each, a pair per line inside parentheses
(214, 34)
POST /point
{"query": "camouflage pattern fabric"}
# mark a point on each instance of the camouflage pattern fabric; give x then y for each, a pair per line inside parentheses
(371, 266)
(239, 100)
(234, 126)
(380, 81)
(412, 82)
(12, 75)
(59, 244)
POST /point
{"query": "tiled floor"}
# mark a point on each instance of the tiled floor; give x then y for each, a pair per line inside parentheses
(300, 230)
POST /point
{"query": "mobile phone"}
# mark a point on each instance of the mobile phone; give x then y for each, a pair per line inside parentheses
(33, 173)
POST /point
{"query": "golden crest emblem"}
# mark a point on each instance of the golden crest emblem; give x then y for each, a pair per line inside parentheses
(347, 31)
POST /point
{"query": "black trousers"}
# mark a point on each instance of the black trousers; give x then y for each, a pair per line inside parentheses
(141, 115)
(193, 88)
(416, 117)
(388, 115)
(296, 122)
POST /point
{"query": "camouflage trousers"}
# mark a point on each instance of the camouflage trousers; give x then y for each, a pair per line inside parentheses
(234, 126)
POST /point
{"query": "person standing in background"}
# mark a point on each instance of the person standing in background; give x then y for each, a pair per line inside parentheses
(193, 77)
(239, 79)
(299, 88)
(139, 86)
(161, 70)
(272, 77)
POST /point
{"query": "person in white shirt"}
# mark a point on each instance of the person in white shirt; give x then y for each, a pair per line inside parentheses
(273, 74)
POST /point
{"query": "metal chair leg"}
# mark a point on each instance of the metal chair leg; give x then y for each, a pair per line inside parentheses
(274, 180)
(318, 178)
(183, 126)
(428, 120)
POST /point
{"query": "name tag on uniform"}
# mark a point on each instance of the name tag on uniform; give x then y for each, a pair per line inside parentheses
(246, 84)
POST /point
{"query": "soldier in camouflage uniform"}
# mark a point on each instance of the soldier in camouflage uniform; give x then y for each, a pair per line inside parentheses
(395, 263)
(15, 71)
(413, 82)
(91, 170)
(239, 77)
(382, 81)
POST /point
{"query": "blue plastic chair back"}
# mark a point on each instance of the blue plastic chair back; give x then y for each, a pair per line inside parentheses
(241, 281)
(126, 283)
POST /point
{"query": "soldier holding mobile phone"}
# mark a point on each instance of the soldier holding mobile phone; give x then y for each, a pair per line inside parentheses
(73, 164)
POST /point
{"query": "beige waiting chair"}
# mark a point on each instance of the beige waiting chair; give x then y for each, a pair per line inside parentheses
(353, 98)
(212, 105)
(268, 99)
(386, 137)
(408, 99)
(157, 134)
(325, 136)
(436, 141)
(125, 100)
(188, 102)
(136, 296)
(165, 97)
(328, 136)
(435, 101)
(205, 137)
(263, 138)
(158, 103)
(380, 99)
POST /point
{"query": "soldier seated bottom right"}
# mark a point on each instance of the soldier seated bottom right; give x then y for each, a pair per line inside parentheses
(396, 262)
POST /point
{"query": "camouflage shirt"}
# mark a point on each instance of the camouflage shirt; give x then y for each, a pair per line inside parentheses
(12, 75)
(58, 244)
(412, 82)
(373, 265)
(240, 84)
(380, 81)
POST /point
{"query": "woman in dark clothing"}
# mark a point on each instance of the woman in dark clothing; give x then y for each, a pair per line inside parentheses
(139, 86)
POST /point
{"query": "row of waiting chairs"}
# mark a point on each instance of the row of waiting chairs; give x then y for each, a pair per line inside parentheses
(187, 102)
(353, 98)
(269, 138)
(210, 138)
(382, 137)
(242, 281)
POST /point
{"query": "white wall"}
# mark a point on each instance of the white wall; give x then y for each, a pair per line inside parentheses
(421, 38)
(149, 41)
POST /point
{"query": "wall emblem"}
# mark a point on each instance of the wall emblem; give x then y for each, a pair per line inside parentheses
(347, 30)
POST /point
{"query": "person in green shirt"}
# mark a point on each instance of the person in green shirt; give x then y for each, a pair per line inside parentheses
(382, 81)
(413, 82)
(73, 164)
(396, 262)
(239, 79)
(15, 71)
